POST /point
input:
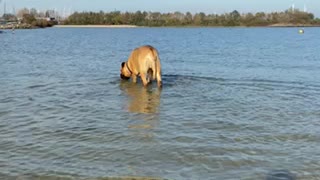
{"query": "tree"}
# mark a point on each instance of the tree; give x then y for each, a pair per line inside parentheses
(199, 18)
(260, 19)
(9, 17)
(28, 19)
(233, 18)
(188, 18)
(22, 12)
(248, 19)
(34, 12)
(235, 15)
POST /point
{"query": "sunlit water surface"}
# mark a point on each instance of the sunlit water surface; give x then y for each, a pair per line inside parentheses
(236, 103)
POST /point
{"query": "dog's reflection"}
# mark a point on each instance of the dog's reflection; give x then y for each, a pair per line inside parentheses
(144, 100)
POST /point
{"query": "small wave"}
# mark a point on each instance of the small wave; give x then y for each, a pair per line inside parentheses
(37, 86)
(263, 83)
(173, 80)
(170, 80)
(68, 177)
(189, 77)
(280, 174)
(7, 100)
(3, 113)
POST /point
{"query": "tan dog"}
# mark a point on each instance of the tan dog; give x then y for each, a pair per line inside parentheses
(144, 62)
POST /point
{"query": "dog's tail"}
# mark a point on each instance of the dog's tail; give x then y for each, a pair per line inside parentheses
(156, 60)
(156, 74)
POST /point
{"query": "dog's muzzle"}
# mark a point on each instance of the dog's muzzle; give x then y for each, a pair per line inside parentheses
(124, 77)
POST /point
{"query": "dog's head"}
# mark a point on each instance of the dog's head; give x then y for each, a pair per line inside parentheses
(124, 72)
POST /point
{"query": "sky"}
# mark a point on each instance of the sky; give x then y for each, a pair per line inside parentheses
(193, 6)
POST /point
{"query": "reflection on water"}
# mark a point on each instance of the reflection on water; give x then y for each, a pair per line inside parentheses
(144, 103)
(141, 100)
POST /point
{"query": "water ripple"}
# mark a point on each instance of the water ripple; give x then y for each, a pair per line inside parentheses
(233, 105)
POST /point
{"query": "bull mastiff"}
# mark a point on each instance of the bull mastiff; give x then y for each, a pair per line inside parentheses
(144, 62)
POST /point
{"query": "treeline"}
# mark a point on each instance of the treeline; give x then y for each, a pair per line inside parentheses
(32, 18)
(234, 18)
(37, 18)
(37, 22)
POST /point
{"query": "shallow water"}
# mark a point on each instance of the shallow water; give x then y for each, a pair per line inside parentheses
(237, 103)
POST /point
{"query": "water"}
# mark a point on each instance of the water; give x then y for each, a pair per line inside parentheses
(236, 103)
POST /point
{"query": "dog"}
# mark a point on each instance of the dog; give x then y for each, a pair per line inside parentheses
(144, 62)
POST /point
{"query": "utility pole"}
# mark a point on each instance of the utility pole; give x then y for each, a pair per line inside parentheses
(4, 8)
(292, 7)
(0, 1)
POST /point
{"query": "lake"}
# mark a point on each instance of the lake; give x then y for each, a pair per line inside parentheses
(236, 103)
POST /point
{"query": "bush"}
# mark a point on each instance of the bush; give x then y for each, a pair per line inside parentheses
(28, 19)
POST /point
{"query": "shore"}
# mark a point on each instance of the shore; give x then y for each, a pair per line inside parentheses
(293, 25)
(134, 26)
(26, 26)
(95, 26)
(16, 26)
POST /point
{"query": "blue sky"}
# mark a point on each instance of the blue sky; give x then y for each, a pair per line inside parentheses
(207, 6)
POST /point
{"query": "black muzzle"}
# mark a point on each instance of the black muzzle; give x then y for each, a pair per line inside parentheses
(124, 77)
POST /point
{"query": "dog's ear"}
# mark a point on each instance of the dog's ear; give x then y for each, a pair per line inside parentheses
(122, 64)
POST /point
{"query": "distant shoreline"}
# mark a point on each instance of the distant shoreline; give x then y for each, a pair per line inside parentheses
(134, 26)
(279, 25)
(292, 25)
(96, 26)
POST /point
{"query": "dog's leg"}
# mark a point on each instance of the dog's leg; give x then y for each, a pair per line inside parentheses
(134, 78)
(158, 72)
(148, 79)
(150, 76)
(159, 81)
(143, 79)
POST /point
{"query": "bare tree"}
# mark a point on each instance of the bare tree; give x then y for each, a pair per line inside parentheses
(22, 12)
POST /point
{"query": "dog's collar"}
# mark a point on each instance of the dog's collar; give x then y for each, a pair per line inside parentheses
(128, 68)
